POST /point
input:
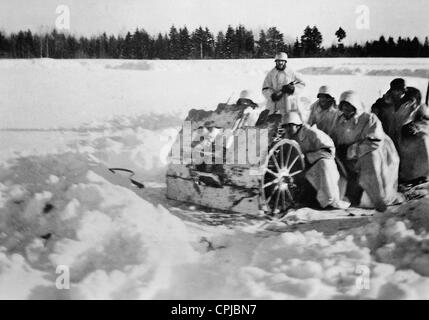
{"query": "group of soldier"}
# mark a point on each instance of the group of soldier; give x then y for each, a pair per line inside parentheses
(353, 156)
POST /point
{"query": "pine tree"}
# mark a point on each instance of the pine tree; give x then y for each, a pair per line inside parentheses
(82, 52)
(317, 38)
(391, 47)
(20, 45)
(262, 50)
(209, 43)
(228, 48)
(219, 45)
(161, 47)
(340, 34)
(416, 47)
(408, 52)
(400, 47)
(203, 43)
(311, 41)
(296, 50)
(197, 40)
(425, 50)
(239, 43)
(136, 45)
(72, 47)
(4, 46)
(249, 44)
(113, 50)
(102, 46)
(275, 41)
(184, 43)
(127, 49)
(174, 43)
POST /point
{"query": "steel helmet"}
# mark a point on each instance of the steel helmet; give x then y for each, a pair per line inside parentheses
(352, 97)
(293, 117)
(247, 94)
(281, 56)
(325, 90)
(398, 84)
(250, 95)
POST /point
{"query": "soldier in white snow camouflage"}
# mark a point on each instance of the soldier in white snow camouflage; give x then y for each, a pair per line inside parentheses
(279, 87)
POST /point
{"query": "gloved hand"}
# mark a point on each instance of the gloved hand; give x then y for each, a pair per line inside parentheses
(288, 88)
(409, 130)
(352, 151)
(276, 96)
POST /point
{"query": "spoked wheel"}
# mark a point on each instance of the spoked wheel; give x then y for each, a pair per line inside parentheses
(284, 164)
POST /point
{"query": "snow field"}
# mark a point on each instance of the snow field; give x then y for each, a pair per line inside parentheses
(59, 205)
(67, 93)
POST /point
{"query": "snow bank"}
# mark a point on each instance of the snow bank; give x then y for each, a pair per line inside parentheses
(121, 142)
(295, 265)
(56, 211)
(401, 236)
(143, 151)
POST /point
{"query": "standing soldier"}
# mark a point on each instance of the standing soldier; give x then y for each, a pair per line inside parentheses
(279, 87)
(324, 111)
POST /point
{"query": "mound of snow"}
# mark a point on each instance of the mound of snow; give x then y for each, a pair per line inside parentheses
(143, 151)
(55, 211)
(139, 65)
(329, 70)
(295, 265)
(400, 236)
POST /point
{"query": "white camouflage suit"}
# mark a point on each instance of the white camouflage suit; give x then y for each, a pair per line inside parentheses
(323, 174)
(274, 81)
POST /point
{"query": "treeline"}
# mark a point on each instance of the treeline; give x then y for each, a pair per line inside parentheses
(201, 43)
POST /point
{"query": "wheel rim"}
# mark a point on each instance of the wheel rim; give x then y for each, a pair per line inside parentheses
(284, 163)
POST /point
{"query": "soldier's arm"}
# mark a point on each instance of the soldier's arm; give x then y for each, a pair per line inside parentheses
(371, 137)
(323, 146)
(312, 117)
(300, 83)
(267, 87)
(423, 112)
(376, 107)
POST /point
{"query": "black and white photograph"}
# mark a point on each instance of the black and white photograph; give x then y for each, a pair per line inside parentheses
(228, 150)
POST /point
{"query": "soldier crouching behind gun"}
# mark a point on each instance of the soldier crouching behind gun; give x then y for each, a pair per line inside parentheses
(319, 151)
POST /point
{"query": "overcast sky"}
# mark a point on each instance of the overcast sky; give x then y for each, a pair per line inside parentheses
(387, 17)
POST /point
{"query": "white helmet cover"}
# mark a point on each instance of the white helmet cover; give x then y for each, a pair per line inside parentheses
(293, 118)
(281, 56)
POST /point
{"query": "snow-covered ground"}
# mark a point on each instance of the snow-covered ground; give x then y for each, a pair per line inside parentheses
(51, 93)
(60, 206)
